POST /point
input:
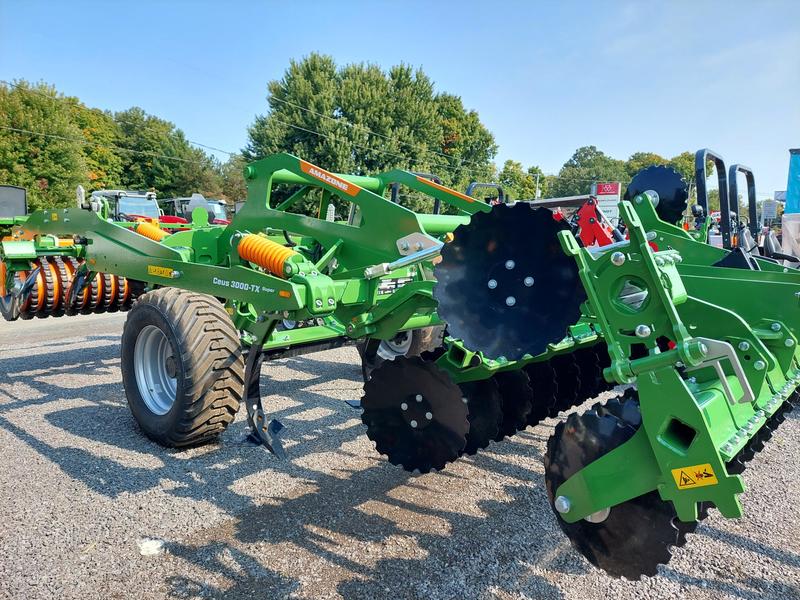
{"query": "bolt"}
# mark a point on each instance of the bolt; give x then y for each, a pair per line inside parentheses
(464, 400)
(511, 301)
(492, 284)
(413, 424)
(331, 301)
(775, 327)
(788, 342)
(678, 258)
(759, 365)
(314, 273)
(659, 261)
(703, 349)
(562, 504)
(643, 331)
(418, 398)
(510, 264)
(404, 406)
(528, 281)
(744, 346)
(404, 246)
(418, 246)
(617, 259)
(727, 448)
(429, 416)
(318, 303)
(175, 274)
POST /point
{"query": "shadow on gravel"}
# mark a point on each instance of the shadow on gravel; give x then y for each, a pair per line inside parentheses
(377, 532)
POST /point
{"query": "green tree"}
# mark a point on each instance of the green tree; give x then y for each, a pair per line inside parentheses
(641, 160)
(156, 155)
(587, 165)
(520, 184)
(234, 188)
(103, 161)
(363, 120)
(49, 162)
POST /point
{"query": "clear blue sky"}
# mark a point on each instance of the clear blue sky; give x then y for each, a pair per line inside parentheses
(546, 77)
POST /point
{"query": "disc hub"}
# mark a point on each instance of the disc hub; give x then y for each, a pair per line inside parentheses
(417, 411)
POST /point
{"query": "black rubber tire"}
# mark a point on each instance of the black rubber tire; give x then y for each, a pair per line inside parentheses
(425, 339)
(209, 369)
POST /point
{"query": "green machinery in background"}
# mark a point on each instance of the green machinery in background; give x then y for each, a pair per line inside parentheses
(536, 324)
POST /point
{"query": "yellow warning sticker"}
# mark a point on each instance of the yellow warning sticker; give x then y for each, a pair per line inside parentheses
(696, 476)
(159, 271)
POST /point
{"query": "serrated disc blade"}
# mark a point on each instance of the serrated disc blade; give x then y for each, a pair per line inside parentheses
(485, 413)
(671, 187)
(517, 401)
(637, 535)
(504, 285)
(415, 414)
(545, 389)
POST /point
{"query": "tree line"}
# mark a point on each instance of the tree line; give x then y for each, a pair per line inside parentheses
(356, 118)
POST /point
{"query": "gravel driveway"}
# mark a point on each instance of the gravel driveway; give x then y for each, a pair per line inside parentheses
(92, 509)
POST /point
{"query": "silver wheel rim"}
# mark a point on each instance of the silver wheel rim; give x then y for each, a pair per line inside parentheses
(150, 355)
(397, 346)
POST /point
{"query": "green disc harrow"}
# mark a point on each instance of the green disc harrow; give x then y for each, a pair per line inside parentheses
(702, 341)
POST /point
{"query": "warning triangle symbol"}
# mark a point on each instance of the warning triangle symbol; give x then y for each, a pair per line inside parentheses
(686, 480)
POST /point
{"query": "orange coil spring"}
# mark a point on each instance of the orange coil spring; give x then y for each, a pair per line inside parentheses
(150, 231)
(265, 253)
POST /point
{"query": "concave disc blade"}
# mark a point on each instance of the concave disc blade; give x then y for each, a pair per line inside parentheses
(591, 375)
(517, 401)
(671, 187)
(637, 535)
(504, 285)
(568, 382)
(485, 413)
(545, 389)
(415, 414)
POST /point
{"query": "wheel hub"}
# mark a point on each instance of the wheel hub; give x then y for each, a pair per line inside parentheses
(156, 370)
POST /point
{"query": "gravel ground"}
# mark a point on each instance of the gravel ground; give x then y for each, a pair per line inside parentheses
(92, 509)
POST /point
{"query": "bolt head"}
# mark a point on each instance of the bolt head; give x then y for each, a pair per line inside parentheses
(618, 259)
(464, 400)
(528, 281)
(404, 406)
(775, 327)
(492, 283)
(703, 349)
(429, 416)
(404, 246)
(744, 346)
(788, 342)
(510, 264)
(511, 301)
(562, 504)
(643, 331)
(418, 246)
(413, 424)
(331, 301)
(418, 397)
(318, 303)
(759, 365)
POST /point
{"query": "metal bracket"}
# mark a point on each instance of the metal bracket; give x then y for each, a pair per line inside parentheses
(717, 352)
(415, 242)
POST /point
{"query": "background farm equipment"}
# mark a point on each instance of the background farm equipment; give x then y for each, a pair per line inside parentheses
(537, 323)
